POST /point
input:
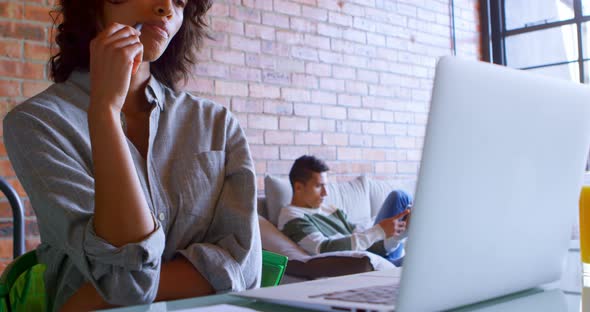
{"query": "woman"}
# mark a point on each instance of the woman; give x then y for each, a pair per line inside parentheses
(141, 192)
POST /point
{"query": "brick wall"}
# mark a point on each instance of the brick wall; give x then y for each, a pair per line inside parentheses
(347, 80)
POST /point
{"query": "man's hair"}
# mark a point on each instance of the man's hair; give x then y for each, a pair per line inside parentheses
(80, 24)
(304, 167)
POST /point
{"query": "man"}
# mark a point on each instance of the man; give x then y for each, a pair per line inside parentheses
(319, 228)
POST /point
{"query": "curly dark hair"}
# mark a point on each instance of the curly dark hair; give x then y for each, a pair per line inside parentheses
(304, 166)
(79, 25)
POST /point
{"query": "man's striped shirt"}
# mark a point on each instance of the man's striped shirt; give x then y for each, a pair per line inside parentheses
(326, 228)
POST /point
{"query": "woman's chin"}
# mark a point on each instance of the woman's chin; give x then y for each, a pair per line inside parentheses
(152, 53)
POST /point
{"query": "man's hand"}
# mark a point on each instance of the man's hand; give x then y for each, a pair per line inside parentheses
(394, 226)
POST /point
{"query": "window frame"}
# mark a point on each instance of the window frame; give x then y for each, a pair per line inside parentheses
(494, 33)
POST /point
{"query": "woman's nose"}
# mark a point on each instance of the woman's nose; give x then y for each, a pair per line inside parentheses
(163, 8)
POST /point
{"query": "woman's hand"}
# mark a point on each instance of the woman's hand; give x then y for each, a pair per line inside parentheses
(115, 54)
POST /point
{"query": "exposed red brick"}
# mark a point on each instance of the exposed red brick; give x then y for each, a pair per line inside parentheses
(263, 122)
(6, 168)
(224, 25)
(278, 137)
(12, 10)
(37, 51)
(9, 29)
(279, 166)
(348, 81)
(324, 152)
(307, 138)
(293, 123)
(9, 88)
(278, 107)
(10, 48)
(38, 13)
(338, 139)
(245, 14)
(247, 105)
(5, 209)
(264, 152)
(293, 152)
(6, 248)
(219, 9)
(19, 69)
(259, 31)
(200, 85)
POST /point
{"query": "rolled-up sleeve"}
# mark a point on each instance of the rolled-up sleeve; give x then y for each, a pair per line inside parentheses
(61, 189)
(230, 255)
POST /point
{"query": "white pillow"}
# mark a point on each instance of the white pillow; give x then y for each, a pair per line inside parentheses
(352, 197)
(278, 194)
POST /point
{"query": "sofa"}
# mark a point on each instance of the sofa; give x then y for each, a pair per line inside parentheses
(361, 198)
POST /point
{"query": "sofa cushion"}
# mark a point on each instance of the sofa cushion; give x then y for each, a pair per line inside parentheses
(275, 241)
(351, 196)
(278, 195)
(379, 189)
(337, 258)
(328, 267)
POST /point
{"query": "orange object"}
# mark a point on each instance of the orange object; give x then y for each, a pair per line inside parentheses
(585, 224)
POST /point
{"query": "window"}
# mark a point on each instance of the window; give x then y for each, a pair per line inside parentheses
(549, 37)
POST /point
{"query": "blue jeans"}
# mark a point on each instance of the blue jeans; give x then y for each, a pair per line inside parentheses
(396, 202)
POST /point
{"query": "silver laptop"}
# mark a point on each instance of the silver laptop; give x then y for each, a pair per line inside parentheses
(496, 198)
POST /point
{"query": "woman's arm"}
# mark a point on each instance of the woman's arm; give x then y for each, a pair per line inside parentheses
(85, 299)
(178, 279)
(121, 213)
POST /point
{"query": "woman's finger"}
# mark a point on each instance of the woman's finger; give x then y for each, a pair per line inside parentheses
(137, 61)
(123, 42)
(131, 51)
(110, 30)
(124, 32)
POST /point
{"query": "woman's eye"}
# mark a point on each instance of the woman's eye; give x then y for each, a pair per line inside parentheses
(181, 3)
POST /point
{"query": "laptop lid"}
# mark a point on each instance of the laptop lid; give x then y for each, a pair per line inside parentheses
(497, 192)
(499, 183)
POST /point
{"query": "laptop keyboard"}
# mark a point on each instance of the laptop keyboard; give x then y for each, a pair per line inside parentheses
(383, 294)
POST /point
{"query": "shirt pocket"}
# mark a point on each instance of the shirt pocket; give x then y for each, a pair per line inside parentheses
(203, 180)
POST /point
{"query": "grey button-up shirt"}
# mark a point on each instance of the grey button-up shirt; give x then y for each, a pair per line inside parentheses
(198, 180)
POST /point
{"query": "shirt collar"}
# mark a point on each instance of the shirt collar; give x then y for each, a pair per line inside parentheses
(154, 90)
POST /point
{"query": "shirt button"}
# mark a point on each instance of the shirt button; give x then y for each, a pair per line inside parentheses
(161, 216)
